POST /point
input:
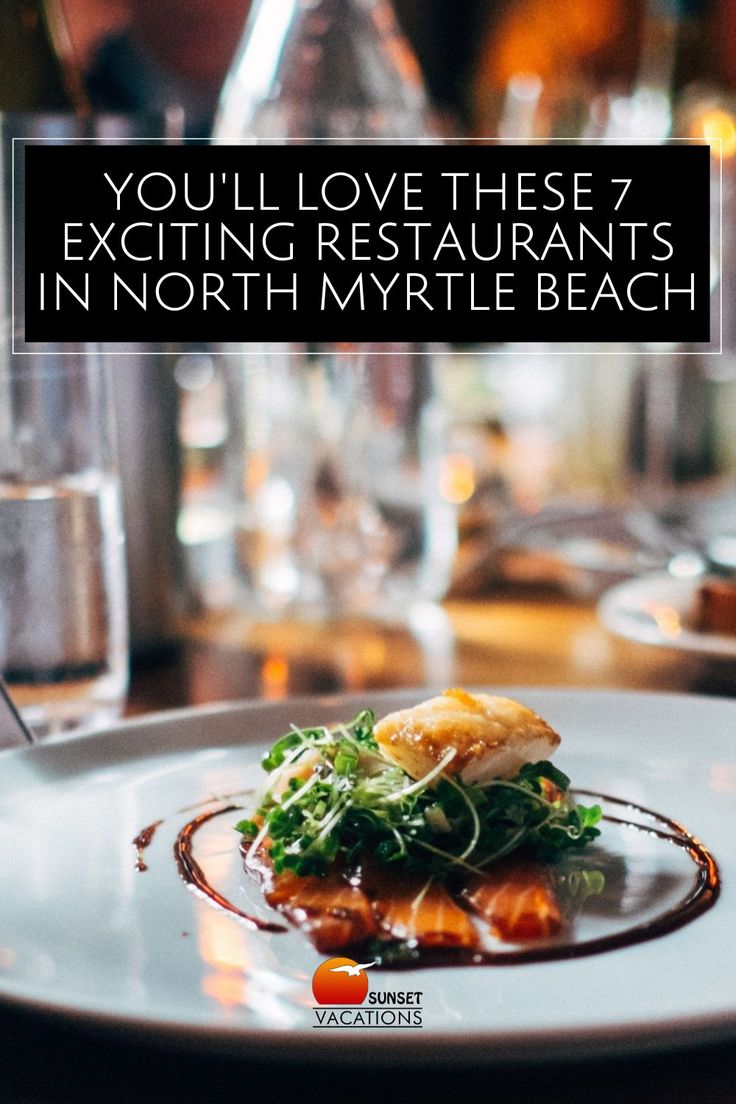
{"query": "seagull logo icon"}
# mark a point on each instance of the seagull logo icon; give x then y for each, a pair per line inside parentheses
(353, 970)
(340, 981)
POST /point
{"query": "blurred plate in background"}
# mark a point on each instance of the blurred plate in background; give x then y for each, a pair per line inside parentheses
(656, 609)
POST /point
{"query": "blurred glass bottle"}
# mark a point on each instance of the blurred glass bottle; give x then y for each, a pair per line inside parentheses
(324, 69)
(43, 98)
(338, 501)
(63, 631)
(343, 506)
(63, 627)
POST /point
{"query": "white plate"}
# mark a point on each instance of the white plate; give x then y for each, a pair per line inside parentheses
(655, 609)
(82, 933)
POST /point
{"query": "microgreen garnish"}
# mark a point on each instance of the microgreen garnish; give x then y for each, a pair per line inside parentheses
(332, 795)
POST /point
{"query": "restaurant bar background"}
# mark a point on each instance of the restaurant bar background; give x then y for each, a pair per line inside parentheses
(559, 471)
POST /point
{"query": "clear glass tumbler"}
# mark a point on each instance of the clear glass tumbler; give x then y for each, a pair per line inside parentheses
(63, 623)
(338, 471)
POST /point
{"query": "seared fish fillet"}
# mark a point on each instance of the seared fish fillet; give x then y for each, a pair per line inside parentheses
(493, 737)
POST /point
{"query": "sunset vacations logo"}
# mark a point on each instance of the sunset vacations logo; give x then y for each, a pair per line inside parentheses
(341, 984)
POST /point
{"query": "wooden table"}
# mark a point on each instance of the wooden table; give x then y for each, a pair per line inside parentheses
(514, 639)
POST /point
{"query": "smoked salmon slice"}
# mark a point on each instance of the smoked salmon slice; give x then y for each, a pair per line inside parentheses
(330, 911)
(414, 910)
(517, 901)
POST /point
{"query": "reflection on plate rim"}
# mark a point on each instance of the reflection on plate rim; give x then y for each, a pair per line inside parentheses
(477, 1044)
(621, 610)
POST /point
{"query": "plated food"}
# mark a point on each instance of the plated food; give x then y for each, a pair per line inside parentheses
(166, 957)
(440, 826)
(438, 836)
(715, 606)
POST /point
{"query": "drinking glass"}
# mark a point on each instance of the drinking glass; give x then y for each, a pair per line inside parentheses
(338, 475)
(63, 630)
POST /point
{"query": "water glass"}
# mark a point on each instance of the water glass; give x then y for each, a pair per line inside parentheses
(338, 478)
(63, 624)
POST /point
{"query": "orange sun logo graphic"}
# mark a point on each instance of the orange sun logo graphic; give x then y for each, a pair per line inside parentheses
(341, 981)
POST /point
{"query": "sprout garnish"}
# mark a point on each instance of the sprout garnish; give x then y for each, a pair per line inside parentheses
(347, 799)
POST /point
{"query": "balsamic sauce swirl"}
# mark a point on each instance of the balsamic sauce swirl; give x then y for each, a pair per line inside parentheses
(194, 876)
(699, 899)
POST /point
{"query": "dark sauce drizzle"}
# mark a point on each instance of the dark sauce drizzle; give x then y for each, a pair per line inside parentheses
(142, 841)
(144, 837)
(702, 896)
(195, 877)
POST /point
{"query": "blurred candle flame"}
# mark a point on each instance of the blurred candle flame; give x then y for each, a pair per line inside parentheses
(668, 620)
(718, 128)
(457, 478)
(275, 677)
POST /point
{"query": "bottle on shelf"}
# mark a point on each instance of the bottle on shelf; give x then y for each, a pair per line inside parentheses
(333, 71)
(328, 70)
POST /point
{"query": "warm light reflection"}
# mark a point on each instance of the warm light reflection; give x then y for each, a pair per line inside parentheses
(668, 620)
(374, 654)
(7, 958)
(222, 944)
(457, 478)
(361, 660)
(222, 947)
(718, 127)
(545, 36)
(590, 649)
(238, 970)
(723, 778)
(228, 989)
(256, 471)
(275, 677)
